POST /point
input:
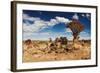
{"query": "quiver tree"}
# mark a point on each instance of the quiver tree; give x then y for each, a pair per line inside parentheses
(76, 27)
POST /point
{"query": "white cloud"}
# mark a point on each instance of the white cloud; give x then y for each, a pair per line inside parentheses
(85, 35)
(84, 32)
(68, 30)
(36, 26)
(45, 35)
(30, 28)
(40, 24)
(88, 15)
(62, 19)
(83, 15)
(85, 38)
(27, 17)
(52, 22)
(36, 36)
(27, 34)
(75, 16)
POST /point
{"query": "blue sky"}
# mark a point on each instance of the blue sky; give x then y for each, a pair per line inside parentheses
(42, 25)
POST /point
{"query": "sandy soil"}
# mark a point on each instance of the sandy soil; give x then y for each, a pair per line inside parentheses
(40, 51)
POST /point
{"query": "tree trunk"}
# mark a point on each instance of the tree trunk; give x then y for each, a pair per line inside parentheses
(75, 37)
